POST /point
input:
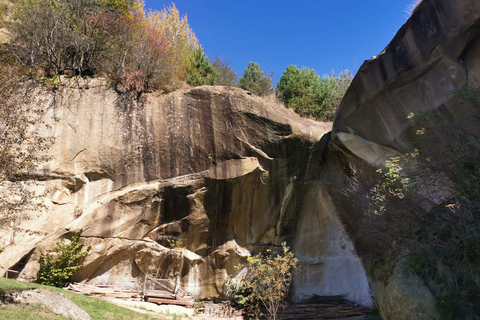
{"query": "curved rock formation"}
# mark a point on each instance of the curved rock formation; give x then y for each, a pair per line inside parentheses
(426, 80)
(192, 182)
(188, 183)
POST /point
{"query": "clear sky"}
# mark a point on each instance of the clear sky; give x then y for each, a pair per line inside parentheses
(318, 34)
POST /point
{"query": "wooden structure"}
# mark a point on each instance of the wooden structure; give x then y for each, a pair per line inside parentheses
(9, 270)
(166, 291)
(159, 291)
(221, 310)
(110, 291)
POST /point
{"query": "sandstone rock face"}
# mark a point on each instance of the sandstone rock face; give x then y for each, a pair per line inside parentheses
(428, 68)
(193, 182)
(189, 183)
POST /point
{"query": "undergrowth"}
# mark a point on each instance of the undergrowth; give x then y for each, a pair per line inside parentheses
(442, 243)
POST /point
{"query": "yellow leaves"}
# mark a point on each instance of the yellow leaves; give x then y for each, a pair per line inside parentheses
(182, 40)
(121, 6)
(268, 278)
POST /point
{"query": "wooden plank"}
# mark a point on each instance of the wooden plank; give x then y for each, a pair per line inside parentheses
(168, 301)
(160, 295)
(119, 295)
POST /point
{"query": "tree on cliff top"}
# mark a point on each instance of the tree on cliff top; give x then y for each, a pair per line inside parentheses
(143, 51)
(256, 80)
(226, 74)
(311, 95)
(201, 71)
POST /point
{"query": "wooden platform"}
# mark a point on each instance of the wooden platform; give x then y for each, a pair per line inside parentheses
(111, 292)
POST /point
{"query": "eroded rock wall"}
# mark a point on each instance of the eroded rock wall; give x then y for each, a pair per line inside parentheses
(423, 87)
(188, 183)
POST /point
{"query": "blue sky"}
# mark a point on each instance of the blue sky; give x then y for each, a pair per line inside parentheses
(318, 34)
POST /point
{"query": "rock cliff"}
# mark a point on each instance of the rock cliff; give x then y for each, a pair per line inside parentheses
(188, 183)
(192, 182)
(419, 95)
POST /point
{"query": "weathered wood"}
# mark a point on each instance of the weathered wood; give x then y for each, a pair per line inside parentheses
(160, 294)
(169, 301)
(120, 295)
(106, 292)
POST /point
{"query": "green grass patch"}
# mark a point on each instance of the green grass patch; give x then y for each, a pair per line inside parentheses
(98, 309)
(27, 311)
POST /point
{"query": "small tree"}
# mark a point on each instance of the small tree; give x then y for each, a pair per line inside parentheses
(59, 264)
(268, 279)
(335, 86)
(226, 74)
(303, 91)
(255, 80)
(201, 72)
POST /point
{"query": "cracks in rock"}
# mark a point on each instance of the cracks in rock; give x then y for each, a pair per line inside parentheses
(255, 149)
(71, 127)
(119, 238)
(84, 149)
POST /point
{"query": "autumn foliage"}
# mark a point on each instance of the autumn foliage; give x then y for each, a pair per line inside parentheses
(138, 50)
(265, 283)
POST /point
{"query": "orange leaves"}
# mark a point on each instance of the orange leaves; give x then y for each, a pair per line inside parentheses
(116, 37)
(182, 40)
(160, 45)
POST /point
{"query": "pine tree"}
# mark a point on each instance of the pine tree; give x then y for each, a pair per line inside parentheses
(201, 72)
(255, 80)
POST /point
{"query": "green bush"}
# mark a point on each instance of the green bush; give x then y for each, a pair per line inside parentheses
(443, 173)
(309, 95)
(59, 264)
(265, 284)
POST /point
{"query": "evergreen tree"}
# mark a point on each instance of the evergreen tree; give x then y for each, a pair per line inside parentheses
(255, 80)
(201, 72)
(302, 90)
(309, 95)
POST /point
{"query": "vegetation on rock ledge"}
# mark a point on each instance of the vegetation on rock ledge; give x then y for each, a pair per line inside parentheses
(441, 242)
(58, 265)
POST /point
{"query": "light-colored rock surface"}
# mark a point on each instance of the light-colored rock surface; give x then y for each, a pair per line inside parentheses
(148, 306)
(52, 301)
(223, 174)
(215, 169)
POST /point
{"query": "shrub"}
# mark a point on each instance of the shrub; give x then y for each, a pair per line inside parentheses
(443, 243)
(59, 264)
(63, 36)
(266, 282)
(302, 90)
(227, 76)
(113, 37)
(335, 86)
